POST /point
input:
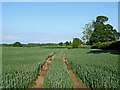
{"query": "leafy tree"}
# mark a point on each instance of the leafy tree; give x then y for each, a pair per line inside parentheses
(17, 44)
(102, 32)
(66, 43)
(88, 29)
(70, 43)
(61, 43)
(76, 42)
(87, 43)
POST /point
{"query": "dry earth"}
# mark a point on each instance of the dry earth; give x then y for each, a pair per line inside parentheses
(39, 81)
(42, 73)
(77, 83)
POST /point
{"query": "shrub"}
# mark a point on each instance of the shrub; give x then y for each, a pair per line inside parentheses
(113, 45)
(104, 45)
(95, 46)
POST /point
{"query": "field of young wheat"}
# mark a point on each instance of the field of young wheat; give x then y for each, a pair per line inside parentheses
(95, 68)
(20, 66)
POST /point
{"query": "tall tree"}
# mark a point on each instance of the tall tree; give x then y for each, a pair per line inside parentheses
(88, 29)
(102, 32)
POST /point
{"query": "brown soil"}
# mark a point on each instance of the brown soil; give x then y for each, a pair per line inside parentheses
(42, 73)
(77, 83)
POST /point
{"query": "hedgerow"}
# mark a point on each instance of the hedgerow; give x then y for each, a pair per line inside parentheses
(113, 45)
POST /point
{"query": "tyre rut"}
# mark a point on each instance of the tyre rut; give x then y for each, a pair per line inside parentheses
(77, 83)
(39, 81)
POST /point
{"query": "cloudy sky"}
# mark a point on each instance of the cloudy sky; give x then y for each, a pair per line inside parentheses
(44, 22)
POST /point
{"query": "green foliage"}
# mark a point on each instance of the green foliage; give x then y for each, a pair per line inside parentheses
(17, 44)
(58, 76)
(113, 45)
(104, 45)
(66, 43)
(101, 19)
(70, 43)
(102, 32)
(61, 43)
(95, 46)
(7, 45)
(87, 43)
(48, 44)
(76, 42)
(88, 29)
(96, 68)
(20, 66)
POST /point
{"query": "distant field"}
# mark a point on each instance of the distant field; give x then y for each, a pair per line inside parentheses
(20, 66)
(97, 68)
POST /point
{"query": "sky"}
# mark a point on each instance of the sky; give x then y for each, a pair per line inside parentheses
(52, 22)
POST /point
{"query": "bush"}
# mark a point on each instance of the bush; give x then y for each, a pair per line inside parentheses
(95, 46)
(113, 45)
(104, 45)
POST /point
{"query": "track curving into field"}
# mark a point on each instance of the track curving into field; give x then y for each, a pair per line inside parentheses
(39, 81)
(77, 83)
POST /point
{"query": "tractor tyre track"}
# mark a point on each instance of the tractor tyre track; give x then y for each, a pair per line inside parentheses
(39, 81)
(77, 83)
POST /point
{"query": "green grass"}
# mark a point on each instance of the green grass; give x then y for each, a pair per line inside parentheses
(58, 76)
(97, 68)
(20, 66)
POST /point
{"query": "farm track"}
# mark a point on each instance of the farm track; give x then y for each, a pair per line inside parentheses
(77, 83)
(39, 81)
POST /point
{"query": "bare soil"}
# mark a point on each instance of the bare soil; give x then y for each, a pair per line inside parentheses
(42, 73)
(77, 83)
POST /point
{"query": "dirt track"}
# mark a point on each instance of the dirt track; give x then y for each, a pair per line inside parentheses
(40, 79)
(77, 83)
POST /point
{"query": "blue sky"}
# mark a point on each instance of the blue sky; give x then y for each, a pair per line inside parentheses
(44, 22)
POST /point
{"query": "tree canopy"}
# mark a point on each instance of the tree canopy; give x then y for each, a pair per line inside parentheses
(101, 32)
(66, 43)
(17, 44)
(60, 43)
(88, 29)
(76, 42)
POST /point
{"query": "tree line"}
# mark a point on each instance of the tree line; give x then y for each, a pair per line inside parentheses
(75, 44)
(18, 44)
